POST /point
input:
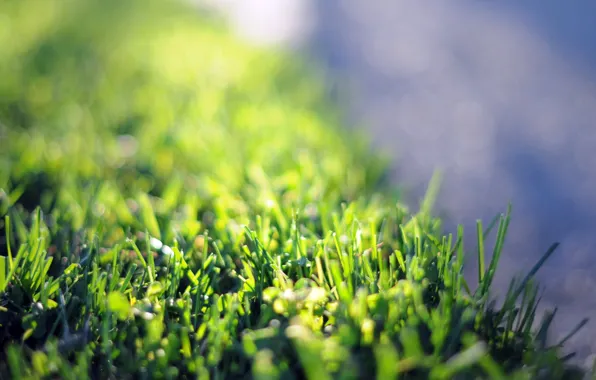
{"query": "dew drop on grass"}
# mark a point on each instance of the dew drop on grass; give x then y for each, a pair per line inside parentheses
(155, 243)
(167, 251)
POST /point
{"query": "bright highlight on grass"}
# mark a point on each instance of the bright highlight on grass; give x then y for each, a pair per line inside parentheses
(176, 204)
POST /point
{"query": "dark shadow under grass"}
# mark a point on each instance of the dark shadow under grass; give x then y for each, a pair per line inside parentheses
(178, 205)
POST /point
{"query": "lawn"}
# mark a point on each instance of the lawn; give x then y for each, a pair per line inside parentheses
(177, 204)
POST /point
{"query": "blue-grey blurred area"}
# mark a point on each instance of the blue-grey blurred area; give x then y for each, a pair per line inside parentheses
(498, 94)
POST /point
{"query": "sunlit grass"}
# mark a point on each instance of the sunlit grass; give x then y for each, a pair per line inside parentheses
(176, 204)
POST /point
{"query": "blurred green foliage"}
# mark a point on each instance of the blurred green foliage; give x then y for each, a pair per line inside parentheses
(83, 75)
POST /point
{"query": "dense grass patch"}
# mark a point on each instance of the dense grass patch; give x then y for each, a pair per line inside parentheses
(177, 204)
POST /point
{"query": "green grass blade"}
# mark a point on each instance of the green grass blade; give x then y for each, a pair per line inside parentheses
(536, 268)
(497, 250)
(480, 242)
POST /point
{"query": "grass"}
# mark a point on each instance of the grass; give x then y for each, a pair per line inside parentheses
(176, 204)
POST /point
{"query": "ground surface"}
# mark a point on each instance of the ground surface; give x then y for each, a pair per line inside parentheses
(501, 95)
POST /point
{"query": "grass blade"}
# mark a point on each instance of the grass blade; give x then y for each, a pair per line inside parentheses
(536, 268)
(480, 243)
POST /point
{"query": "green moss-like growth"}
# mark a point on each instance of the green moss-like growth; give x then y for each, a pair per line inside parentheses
(175, 203)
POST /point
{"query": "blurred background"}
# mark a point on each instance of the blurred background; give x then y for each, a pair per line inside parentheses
(499, 95)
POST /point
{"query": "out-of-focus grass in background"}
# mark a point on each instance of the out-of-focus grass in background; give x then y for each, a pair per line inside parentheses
(84, 91)
(177, 203)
